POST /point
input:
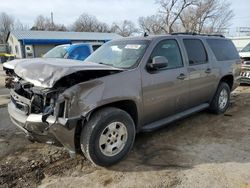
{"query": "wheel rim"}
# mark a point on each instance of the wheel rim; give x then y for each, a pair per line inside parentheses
(113, 138)
(223, 99)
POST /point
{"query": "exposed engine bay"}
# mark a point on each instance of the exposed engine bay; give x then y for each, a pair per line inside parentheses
(36, 100)
(44, 97)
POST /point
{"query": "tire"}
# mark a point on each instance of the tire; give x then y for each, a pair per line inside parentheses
(216, 105)
(97, 131)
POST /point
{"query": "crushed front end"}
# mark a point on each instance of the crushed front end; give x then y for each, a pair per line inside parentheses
(41, 113)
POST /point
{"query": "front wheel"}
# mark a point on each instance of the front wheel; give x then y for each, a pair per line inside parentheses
(221, 99)
(108, 136)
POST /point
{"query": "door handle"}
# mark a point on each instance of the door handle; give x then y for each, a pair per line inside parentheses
(181, 76)
(208, 71)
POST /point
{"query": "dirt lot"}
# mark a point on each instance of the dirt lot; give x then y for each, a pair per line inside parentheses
(204, 150)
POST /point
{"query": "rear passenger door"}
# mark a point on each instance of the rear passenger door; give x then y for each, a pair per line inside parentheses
(200, 72)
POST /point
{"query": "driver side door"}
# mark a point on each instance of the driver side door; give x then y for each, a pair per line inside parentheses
(165, 91)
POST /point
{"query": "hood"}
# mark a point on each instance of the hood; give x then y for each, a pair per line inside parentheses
(45, 72)
(244, 54)
(12, 64)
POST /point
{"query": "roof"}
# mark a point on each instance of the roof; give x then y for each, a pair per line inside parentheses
(62, 35)
(176, 35)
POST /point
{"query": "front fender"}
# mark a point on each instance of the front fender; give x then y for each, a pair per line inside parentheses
(83, 97)
(87, 96)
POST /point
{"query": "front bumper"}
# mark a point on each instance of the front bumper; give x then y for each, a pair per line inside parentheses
(245, 73)
(245, 77)
(57, 131)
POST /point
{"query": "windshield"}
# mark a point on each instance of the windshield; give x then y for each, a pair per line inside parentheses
(57, 52)
(120, 54)
(246, 48)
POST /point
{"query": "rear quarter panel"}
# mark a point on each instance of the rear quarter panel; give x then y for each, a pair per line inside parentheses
(224, 68)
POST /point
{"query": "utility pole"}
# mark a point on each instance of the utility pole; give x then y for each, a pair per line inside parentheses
(52, 20)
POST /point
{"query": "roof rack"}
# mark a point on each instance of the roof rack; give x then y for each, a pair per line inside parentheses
(193, 33)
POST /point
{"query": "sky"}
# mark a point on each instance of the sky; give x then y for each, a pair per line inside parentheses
(109, 11)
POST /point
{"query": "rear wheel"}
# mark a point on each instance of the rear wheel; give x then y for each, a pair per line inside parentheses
(108, 136)
(221, 99)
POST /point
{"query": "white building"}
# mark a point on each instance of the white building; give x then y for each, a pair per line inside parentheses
(240, 42)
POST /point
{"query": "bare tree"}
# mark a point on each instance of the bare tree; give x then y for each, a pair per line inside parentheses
(6, 25)
(221, 22)
(85, 23)
(102, 27)
(152, 24)
(43, 23)
(209, 16)
(89, 23)
(171, 11)
(20, 26)
(125, 28)
(40, 23)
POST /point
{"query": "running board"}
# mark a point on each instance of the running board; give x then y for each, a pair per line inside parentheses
(163, 122)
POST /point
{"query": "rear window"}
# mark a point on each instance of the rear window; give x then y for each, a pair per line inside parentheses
(223, 50)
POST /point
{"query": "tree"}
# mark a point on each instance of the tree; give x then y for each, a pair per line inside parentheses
(6, 25)
(152, 24)
(102, 27)
(171, 10)
(209, 16)
(200, 16)
(89, 23)
(221, 22)
(41, 23)
(125, 28)
(20, 26)
(46, 24)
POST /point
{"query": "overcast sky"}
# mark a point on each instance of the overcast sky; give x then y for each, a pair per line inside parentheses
(67, 11)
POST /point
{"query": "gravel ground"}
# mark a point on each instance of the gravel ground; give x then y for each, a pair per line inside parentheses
(203, 150)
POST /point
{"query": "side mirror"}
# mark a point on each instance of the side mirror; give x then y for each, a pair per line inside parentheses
(158, 62)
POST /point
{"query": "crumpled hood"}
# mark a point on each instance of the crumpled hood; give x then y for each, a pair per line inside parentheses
(45, 72)
(12, 64)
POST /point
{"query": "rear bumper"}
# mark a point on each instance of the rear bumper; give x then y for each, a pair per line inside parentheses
(57, 131)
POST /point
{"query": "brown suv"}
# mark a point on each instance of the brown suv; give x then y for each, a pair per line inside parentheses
(127, 86)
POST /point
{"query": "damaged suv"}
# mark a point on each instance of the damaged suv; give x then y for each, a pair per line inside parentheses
(127, 86)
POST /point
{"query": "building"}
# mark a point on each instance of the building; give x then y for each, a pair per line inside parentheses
(28, 44)
(240, 42)
(4, 48)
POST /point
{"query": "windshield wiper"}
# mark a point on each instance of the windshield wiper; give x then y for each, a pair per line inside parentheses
(110, 65)
(105, 64)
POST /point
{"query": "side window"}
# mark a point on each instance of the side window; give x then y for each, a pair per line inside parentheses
(223, 49)
(196, 51)
(80, 53)
(169, 49)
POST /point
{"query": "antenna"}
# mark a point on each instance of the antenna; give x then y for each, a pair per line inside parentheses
(145, 34)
